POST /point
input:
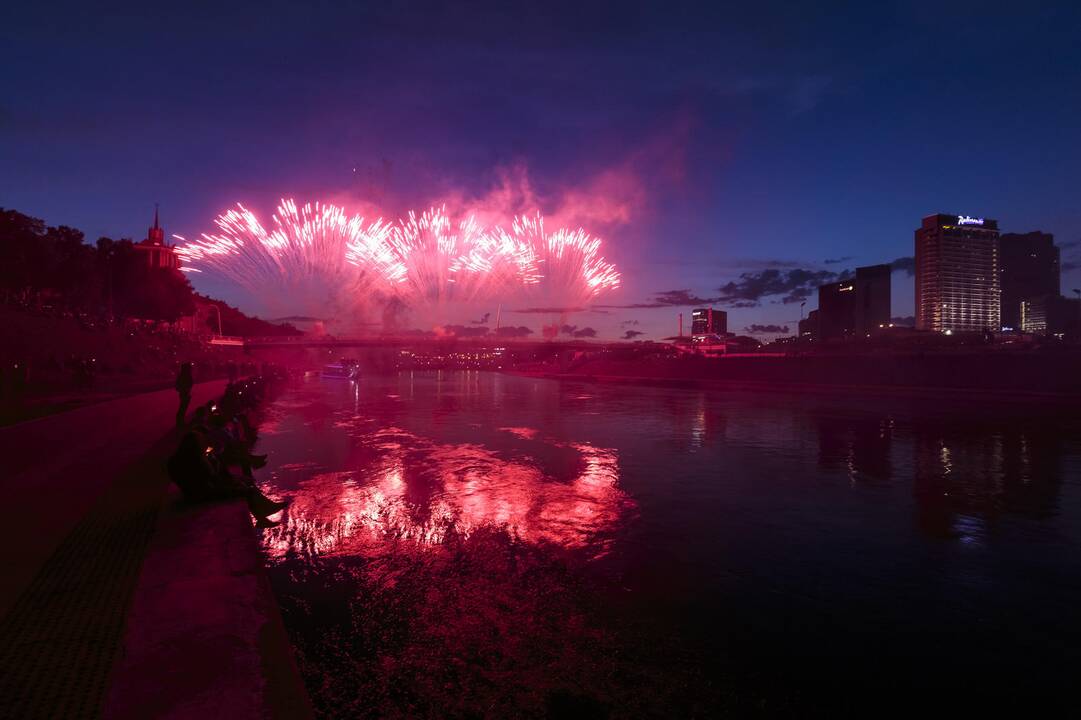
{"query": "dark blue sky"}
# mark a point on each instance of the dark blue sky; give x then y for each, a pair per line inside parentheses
(740, 138)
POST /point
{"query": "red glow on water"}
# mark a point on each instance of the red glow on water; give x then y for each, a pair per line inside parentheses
(466, 487)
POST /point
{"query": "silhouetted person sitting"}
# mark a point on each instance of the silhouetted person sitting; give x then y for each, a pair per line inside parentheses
(229, 448)
(200, 478)
(184, 384)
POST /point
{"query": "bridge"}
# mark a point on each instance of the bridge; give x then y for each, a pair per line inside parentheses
(402, 341)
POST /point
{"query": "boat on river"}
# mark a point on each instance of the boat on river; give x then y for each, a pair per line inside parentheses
(341, 371)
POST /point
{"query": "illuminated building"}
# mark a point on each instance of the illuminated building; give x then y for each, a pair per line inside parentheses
(957, 274)
(709, 330)
(1049, 315)
(708, 323)
(159, 254)
(1028, 269)
(854, 307)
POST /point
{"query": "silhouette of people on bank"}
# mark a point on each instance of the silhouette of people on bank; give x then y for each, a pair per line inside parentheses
(184, 384)
(220, 440)
(202, 476)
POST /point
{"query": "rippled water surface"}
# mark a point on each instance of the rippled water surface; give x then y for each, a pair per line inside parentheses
(478, 544)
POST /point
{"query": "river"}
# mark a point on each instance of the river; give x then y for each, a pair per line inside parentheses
(480, 544)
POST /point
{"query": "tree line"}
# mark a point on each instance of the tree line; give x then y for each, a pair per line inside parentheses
(54, 267)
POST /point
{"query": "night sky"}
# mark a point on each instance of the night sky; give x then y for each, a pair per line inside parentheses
(742, 154)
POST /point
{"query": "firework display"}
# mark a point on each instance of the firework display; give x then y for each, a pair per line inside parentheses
(318, 258)
(300, 264)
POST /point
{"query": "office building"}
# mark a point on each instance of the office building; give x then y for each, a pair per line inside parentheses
(836, 310)
(856, 307)
(707, 323)
(957, 274)
(872, 311)
(1028, 269)
(1050, 315)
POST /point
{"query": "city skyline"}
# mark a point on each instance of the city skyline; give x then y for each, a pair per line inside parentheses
(728, 171)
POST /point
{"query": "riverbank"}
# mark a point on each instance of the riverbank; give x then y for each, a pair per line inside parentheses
(53, 363)
(110, 580)
(1051, 377)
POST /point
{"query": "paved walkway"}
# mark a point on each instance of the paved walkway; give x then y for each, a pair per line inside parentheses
(117, 597)
(204, 637)
(57, 468)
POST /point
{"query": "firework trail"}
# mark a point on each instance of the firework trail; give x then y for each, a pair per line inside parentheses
(325, 260)
(443, 259)
(563, 266)
(301, 260)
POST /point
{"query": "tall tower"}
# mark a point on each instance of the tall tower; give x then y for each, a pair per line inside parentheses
(156, 235)
(159, 254)
(957, 274)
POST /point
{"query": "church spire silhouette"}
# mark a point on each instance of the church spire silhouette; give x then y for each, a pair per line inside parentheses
(156, 236)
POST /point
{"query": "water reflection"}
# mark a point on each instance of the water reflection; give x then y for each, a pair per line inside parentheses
(406, 486)
(965, 482)
(964, 471)
(437, 523)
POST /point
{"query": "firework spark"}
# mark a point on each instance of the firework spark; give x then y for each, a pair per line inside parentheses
(301, 260)
(329, 262)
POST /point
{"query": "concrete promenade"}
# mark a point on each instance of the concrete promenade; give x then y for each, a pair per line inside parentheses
(57, 467)
(109, 580)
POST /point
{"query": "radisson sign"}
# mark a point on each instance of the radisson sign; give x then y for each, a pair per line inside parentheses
(969, 220)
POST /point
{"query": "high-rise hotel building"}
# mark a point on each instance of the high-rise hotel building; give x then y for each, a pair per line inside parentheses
(957, 274)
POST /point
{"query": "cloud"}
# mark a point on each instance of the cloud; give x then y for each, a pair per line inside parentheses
(1068, 265)
(837, 261)
(512, 332)
(792, 285)
(904, 321)
(757, 329)
(632, 306)
(625, 323)
(552, 310)
(904, 264)
(464, 330)
(575, 331)
(631, 335)
(483, 320)
(681, 297)
(1069, 243)
(666, 298)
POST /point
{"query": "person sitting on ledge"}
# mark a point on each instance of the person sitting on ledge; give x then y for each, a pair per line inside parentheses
(200, 477)
(229, 449)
